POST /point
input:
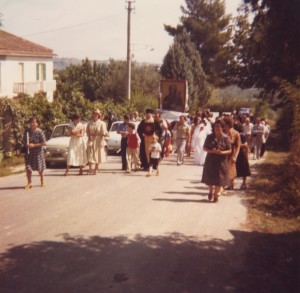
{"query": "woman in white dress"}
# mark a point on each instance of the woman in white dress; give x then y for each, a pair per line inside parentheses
(96, 131)
(77, 150)
(198, 140)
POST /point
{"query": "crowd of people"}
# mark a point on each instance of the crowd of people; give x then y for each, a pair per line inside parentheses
(221, 145)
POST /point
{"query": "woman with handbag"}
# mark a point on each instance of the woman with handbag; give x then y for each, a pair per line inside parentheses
(215, 171)
(34, 140)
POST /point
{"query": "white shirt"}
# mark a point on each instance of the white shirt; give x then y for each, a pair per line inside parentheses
(248, 128)
(155, 154)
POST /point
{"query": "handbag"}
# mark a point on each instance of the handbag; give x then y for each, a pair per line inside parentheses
(24, 150)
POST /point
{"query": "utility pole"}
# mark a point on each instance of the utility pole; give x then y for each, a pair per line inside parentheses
(128, 86)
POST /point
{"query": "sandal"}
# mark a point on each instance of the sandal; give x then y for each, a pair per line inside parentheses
(216, 198)
(210, 196)
(28, 186)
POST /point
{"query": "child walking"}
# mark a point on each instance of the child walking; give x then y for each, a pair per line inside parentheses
(155, 150)
(133, 142)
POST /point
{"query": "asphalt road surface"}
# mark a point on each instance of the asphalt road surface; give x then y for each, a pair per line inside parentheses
(117, 232)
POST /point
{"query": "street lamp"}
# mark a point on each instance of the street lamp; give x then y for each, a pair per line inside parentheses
(128, 75)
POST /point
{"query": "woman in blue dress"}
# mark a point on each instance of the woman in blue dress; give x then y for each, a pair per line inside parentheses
(34, 155)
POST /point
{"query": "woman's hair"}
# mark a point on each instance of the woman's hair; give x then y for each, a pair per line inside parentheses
(31, 119)
(219, 122)
(228, 121)
(75, 117)
(239, 127)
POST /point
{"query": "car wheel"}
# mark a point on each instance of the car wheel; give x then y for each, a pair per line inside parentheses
(48, 164)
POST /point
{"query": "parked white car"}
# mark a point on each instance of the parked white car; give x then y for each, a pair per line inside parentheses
(114, 139)
(57, 148)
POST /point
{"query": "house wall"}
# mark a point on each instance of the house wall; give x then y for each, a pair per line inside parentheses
(10, 73)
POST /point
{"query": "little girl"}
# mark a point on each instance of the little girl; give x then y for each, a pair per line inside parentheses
(155, 150)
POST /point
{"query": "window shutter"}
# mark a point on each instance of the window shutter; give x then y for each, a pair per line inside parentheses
(37, 72)
(44, 72)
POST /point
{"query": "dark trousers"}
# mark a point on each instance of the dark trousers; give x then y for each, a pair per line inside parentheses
(123, 152)
(143, 158)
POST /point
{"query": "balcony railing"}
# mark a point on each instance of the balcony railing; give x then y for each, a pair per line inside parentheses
(34, 87)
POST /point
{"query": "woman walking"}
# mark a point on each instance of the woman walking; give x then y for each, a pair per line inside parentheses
(215, 171)
(199, 136)
(34, 154)
(235, 141)
(96, 131)
(242, 162)
(77, 152)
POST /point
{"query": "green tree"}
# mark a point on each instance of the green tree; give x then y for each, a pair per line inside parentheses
(183, 61)
(268, 53)
(106, 81)
(210, 31)
(270, 46)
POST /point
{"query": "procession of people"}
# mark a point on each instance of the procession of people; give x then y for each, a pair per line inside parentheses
(221, 145)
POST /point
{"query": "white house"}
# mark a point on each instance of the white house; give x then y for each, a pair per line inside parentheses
(25, 67)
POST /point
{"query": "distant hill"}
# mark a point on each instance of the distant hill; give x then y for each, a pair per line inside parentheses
(62, 63)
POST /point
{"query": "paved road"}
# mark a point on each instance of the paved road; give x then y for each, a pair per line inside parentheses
(117, 232)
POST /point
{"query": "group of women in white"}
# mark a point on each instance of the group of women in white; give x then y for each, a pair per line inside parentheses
(199, 131)
(91, 151)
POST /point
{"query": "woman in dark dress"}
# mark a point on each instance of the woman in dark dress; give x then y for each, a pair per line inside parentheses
(34, 155)
(215, 171)
(242, 163)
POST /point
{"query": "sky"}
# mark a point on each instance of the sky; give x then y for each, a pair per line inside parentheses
(96, 29)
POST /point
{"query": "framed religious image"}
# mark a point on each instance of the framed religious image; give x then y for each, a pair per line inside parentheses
(173, 95)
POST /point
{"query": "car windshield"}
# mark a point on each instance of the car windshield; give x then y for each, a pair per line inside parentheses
(60, 131)
(114, 127)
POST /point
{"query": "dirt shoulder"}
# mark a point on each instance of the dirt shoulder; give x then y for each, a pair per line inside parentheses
(271, 251)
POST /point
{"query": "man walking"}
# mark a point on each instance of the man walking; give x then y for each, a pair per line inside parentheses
(122, 129)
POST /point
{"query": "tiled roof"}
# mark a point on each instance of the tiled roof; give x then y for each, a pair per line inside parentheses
(11, 45)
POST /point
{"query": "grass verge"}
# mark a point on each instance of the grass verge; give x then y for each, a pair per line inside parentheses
(8, 166)
(271, 253)
(274, 198)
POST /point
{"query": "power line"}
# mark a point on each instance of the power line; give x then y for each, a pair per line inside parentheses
(73, 25)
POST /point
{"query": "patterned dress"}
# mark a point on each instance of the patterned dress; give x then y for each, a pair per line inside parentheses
(96, 132)
(215, 171)
(35, 159)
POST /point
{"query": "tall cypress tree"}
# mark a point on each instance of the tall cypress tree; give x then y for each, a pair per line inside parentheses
(183, 61)
(209, 28)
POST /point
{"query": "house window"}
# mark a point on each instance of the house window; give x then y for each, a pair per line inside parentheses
(40, 71)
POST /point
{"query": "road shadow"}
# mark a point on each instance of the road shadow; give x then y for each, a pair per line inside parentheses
(198, 187)
(162, 264)
(186, 192)
(12, 188)
(179, 200)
